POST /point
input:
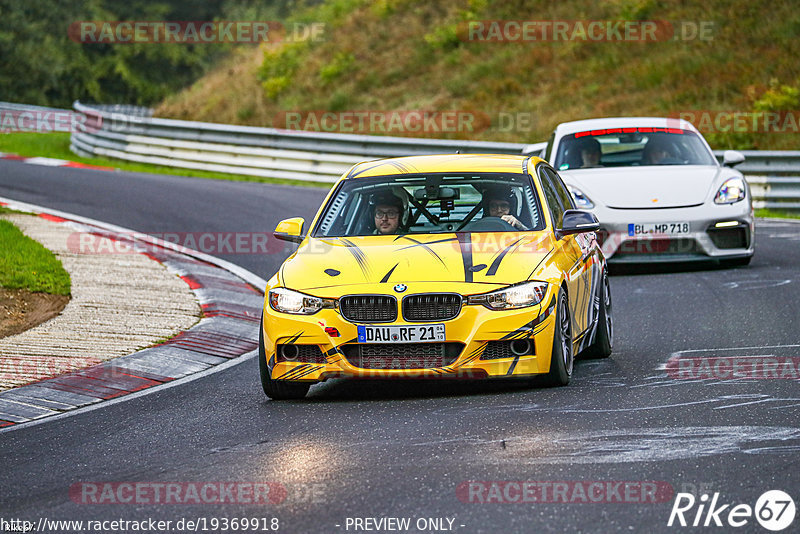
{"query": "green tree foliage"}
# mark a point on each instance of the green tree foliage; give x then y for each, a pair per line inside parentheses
(40, 64)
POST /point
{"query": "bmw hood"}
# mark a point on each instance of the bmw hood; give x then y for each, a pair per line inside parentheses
(667, 186)
(490, 258)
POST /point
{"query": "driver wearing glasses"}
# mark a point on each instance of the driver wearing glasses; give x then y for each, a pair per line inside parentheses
(499, 202)
(387, 211)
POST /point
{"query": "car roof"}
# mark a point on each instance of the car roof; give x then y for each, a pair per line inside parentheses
(566, 128)
(456, 163)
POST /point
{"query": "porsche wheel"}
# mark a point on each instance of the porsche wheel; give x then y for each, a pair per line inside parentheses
(276, 389)
(604, 331)
(561, 360)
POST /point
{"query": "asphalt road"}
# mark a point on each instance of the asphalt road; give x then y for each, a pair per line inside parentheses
(358, 449)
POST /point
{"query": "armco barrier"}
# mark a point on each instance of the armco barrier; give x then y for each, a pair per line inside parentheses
(774, 178)
(270, 152)
(131, 133)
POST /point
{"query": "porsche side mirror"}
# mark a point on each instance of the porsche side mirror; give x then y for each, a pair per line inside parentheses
(732, 158)
(578, 222)
(290, 230)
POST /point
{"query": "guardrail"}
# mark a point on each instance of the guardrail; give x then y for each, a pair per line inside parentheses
(11, 106)
(774, 177)
(254, 151)
(131, 133)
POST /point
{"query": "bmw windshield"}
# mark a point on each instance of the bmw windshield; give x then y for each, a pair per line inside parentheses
(431, 204)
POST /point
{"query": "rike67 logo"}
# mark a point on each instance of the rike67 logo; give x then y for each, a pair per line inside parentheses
(774, 510)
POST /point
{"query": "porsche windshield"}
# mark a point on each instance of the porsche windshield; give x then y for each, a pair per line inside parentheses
(431, 204)
(625, 147)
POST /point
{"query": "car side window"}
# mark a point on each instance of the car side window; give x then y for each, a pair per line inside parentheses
(551, 196)
(563, 193)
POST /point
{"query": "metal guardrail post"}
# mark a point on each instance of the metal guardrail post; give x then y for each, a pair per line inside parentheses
(132, 133)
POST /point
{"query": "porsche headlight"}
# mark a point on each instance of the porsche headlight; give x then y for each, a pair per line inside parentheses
(289, 301)
(582, 202)
(518, 296)
(731, 191)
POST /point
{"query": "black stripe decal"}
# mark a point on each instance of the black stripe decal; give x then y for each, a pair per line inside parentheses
(475, 353)
(313, 369)
(359, 256)
(465, 244)
(528, 329)
(541, 261)
(365, 169)
(425, 246)
(294, 338)
(496, 263)
(334, 355)
(522, 330)
(512, 366)
(289, 374)
(425, 243)
(387, 275)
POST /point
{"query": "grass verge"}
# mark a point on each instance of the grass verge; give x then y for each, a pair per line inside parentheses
(777, 214)
(56, 145)
(26, 264)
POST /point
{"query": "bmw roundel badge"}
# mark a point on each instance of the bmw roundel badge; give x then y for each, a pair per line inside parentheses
(400, 288)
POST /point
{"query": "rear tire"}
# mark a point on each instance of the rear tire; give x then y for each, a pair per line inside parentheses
(562, 357)
(276, 389)
(604, 331)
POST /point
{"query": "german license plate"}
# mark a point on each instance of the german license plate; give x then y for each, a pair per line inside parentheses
(667, 228)
(418, 333)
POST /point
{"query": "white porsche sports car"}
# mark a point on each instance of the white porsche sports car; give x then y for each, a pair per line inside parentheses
(656, 188)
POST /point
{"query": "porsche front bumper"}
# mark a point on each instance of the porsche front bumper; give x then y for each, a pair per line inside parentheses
(715, 232)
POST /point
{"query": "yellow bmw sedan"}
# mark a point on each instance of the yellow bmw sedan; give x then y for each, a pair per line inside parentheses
(444, 266)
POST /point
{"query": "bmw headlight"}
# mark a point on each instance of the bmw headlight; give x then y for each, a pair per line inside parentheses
(731, 191)
(518, 296)
(289, 301)
(582, 202)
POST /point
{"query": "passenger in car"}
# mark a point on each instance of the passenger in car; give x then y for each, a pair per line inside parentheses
(590, 152)
(499, 202)
(657, 151)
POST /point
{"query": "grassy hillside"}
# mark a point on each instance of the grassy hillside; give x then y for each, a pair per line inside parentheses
(416, 55)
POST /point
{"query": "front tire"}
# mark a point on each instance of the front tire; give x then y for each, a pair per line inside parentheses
(562, 357)
(604, 331)
(276, 389)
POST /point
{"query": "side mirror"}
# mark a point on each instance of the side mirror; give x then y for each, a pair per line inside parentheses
(732, 158)
(290, 230)
(578, 222)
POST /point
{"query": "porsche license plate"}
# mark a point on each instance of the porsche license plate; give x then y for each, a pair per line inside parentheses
(418, 333)
(666, 228)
